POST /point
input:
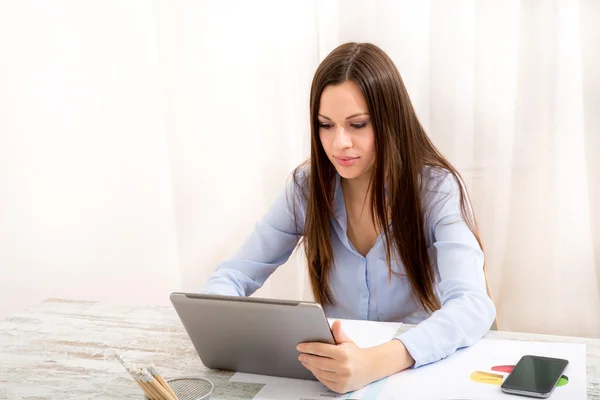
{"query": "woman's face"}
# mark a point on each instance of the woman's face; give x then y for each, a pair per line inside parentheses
(346, 131)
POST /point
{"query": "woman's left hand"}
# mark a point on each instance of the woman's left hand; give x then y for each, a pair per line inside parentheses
(343, 367)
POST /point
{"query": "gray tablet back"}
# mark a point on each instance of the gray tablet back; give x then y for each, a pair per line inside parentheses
(252, 335)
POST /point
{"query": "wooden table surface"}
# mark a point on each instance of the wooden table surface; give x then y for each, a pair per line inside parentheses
(63, 349)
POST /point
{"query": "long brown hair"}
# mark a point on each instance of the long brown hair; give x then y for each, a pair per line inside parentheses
(402, 151)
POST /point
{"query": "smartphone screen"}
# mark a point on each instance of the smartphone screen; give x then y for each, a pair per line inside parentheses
(535, 375)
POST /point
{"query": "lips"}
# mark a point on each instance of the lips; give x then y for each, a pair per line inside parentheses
(345, 161)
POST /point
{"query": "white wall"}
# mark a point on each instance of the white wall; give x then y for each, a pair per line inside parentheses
(236, 81)
(141, 141)
(86, 206)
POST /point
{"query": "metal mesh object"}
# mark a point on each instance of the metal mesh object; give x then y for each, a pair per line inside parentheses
(191, 388)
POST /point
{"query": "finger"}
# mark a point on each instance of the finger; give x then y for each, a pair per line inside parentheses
(338, 334)
(319, 349)
(321, 375)
(332, 386)
(323, 363)
(328, 379)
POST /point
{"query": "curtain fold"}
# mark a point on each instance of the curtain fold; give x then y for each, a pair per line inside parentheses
(185, 118)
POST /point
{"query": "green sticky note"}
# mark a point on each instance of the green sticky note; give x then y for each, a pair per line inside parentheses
(562, 381)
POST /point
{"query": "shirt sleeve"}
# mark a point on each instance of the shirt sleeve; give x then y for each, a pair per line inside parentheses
(466, 312)
(270, 244)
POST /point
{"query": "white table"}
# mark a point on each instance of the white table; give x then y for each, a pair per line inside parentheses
(62, 349)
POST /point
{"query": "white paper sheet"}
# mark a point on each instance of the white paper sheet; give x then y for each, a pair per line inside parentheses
(451, 378)
(284, 388)
(363, 333)
(368, 333)
(448, 379)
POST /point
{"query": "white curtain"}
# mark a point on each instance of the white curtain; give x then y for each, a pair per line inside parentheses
(140, 141)
(86, 207)
(509, 91)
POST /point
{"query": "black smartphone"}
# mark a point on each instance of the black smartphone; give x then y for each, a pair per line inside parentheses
(534, 376)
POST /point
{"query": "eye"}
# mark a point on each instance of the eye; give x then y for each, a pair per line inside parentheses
(324, 125)
(359, 125)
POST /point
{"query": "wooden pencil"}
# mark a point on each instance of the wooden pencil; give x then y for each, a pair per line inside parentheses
(136, 375)
(164, 395)
(150, 393)
(154, 372)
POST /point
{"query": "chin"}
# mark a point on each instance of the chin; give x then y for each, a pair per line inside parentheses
(350, 173)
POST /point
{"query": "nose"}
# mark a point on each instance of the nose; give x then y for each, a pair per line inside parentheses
(341, 139)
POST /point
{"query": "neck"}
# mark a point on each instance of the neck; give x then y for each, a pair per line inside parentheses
(356, 189)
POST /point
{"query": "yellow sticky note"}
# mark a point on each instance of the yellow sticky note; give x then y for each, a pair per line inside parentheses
(486, 377)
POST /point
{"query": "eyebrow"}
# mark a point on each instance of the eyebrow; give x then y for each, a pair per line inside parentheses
(349, 117)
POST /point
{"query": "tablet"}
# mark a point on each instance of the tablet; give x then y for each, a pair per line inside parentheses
(253, 335)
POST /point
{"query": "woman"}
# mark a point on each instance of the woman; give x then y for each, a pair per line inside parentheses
(386, 227)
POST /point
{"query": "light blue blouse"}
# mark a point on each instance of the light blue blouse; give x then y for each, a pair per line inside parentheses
(360, 284)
